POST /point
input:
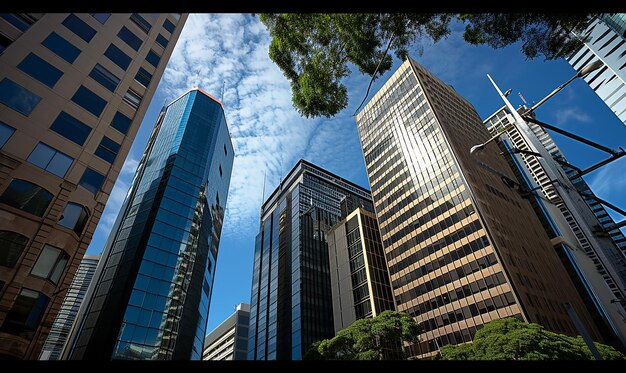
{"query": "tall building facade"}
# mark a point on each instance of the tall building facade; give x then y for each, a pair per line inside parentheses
(73, 91)
(152, 290)
(69, 309)
(605, 40)
(229, 340)
(291, 303)
(462, 248)
(359, 276)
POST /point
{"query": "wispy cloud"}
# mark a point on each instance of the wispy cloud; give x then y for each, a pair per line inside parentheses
(567, 115)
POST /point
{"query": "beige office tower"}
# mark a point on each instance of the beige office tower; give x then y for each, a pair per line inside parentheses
(461, 246)
(73, 91)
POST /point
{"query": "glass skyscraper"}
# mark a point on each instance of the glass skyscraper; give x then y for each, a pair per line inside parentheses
(151, 294)
(461, 246)
(69, 309)
(291, 304)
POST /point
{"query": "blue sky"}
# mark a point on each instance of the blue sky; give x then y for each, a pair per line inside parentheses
(269, 135)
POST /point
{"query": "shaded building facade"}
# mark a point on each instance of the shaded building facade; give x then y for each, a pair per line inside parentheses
(151, 293)
(461, 247)
(73, 91)
(358, 270)
(291, 303)
(229, 340)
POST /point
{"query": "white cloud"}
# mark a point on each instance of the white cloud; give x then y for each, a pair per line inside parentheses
(567, 115)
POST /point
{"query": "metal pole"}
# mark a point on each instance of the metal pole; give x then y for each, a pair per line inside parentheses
(582, 330)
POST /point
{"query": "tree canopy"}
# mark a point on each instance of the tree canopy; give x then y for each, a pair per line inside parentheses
(511, 339)
(378, 338)
(313, 50)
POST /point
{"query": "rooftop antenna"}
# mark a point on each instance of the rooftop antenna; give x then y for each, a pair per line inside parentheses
(222, 94)
(263, 196)
(522, 97)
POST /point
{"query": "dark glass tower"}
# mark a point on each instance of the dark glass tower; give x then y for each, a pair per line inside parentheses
(153, 286)
(291, 302)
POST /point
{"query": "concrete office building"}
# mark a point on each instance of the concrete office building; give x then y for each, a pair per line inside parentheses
(73, 91)
(291, 303)
(462, 248)
(69, 309)
(229, 340)
(151, 293)
(358, 270)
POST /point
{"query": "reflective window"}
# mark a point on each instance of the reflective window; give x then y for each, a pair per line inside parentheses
(61, 47)
(91, 180)
(107, 149)
(132, 98)
(5, 133)
(141, 22)
(50, 159)
(41, 70)
(75, 217)
(50, 264)
(162, 40)
(89, 101)
(104, 77)
(129, 38)
(169, 26)
(4, 44)
(71, 128)
(176, 16)
(26, 313)
(79, 27)
(21, 21)
(121, 122)
(118, 57)
(143, 77)
(153, 58)
(17, 97)
(26, 196)
(11, 247)
(101, 17)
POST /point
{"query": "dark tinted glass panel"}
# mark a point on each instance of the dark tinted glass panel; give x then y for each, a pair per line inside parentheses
(50, 159)
(169, 26)
(116, 55)
(50, 264)
(104, 77)
(153, 58)
(17, 97)
(121, 122)
(129, 38)
(40, 70)
(162, 40)
(143, 77)
(91, 180)
(11, 247)
(26, 313)
(101, 17)
(79, 27)
(5, 133)
(61, 47)
(107, 149)
(141, 22)
(27, 197)
(71, 128)
(4, 44)
(75, 217)
(20, 21)
(89, 101)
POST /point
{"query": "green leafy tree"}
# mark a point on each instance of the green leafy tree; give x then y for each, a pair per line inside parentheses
(375, 338)
(313, 50)
(511, 339)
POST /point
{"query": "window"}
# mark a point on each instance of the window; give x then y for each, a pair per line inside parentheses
(26, 313)
(101, 17)
(21, 21)
(5, 133)
(50, 159)
(50, 264)
(141, 22)
(107, 149)
(61, 47)
(75, 217)
(153, 58)
(89, 101)
(41, 70)
(225, 151)
(26, 196)
(91, 180)
(129, 38)
(4, 44)
(169, 26)
(106, 78)
(121, 122)
(176, 16)
(132, 98)
(79, 27)
(118, 57)
(143, 77)
(17, 97)
(71, 128)
(162, 40)
(220, 170)
(11, 247)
